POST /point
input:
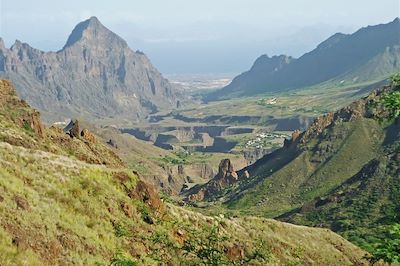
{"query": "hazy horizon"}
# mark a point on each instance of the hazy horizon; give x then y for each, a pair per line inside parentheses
(202, 37)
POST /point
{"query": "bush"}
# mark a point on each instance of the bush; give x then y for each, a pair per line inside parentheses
(389, 249)
(120, 260)
(120, 230)
(396, 79)
(391, 101)
(208, 250)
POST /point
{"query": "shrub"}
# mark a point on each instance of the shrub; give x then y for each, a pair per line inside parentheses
(389, 249)
(120, 260)
(120, 230)
(396, 79)
(208, 250)
(392, 102)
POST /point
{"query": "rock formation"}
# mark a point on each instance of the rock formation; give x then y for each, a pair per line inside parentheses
(225, 177)
(30, 119)
(87, 135)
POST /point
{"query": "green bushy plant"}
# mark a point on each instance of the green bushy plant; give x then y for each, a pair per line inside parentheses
(396, 79)
(208, 250)
(389, 249)
(120, 260)
(391, 101)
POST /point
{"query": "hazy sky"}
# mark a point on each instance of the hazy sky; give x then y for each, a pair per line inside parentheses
(202, 36)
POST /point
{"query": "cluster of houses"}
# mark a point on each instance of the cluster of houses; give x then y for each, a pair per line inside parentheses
(259, 141)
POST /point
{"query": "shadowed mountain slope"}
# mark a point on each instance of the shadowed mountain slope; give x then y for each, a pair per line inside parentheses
(370, 54)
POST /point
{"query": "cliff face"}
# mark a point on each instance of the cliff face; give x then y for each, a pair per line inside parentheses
(95, 75)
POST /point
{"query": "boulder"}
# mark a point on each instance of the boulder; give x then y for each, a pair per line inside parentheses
(73, 129)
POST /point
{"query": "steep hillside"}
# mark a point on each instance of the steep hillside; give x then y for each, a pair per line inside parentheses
(95, 76)
(370, 54)
(342, 173)
(66, 199)
(21, 126)
(363, 207)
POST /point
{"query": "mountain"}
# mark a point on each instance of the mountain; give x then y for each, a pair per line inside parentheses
(342, 173)
(94, 76)
(67, 199)
(369, 54)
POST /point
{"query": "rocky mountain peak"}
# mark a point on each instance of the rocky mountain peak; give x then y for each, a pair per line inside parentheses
(16, 46)
(271, 64)
(92, 33)
(96, 74)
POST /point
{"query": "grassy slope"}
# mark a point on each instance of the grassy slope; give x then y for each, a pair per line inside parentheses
(58, 207)
(363, 206)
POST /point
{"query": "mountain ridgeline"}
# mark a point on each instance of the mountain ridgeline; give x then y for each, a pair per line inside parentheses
(370, 54)
(94, 76)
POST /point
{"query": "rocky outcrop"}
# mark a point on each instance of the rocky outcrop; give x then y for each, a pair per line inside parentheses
(206, 140)
(354, 111)
(73, 129)
(94, 75)
(29, 119)
(148, 195)
(87, 135)
(225, 177)
(295, 135)
(226, 173)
